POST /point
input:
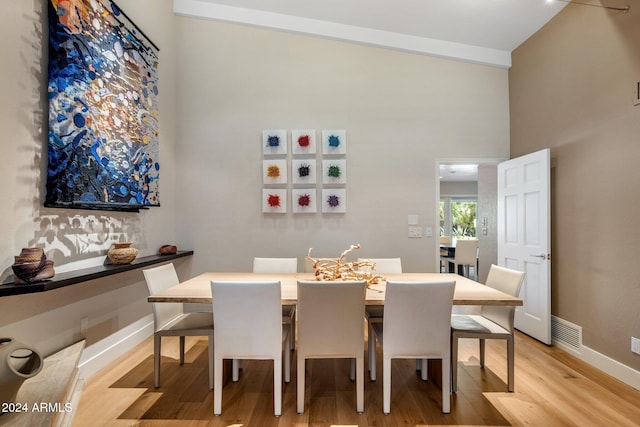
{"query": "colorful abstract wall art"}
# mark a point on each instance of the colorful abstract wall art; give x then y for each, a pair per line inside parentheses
(303, 171)
(334, 200)
(274, 142)
(303, 200)
(334, 171)
(274, 200)
(103, 110)
(303, 141)
(274, 171)
(334, 142)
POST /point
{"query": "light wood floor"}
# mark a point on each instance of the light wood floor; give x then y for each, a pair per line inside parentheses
(552, 389)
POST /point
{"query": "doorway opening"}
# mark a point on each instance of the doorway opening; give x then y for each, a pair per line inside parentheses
(467, 206)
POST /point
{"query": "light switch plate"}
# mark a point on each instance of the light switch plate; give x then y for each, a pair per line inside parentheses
(415, 232)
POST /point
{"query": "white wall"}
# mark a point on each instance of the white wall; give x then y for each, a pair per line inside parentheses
(401, 111)
(220, 86)
(73, 238)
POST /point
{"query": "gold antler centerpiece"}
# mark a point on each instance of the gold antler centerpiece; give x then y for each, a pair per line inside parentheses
(336, 269)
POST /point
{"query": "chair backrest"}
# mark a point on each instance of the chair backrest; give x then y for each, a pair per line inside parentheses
(466, 252)
(275, 265)
(247, 318)
(510, 282)
(417, 318)
(159, 279)
(330, 318)
(445, 240)
(386, 265)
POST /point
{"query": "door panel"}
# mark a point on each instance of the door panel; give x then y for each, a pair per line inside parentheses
(524, 236)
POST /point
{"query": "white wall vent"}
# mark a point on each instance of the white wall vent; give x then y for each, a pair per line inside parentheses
(566, 334)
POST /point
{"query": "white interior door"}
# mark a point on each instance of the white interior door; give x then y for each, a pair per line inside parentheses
(524, 237)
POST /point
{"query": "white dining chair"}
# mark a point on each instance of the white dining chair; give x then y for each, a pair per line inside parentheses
(280, 265)
(493, 322)
(375, 313)
(416, 326)
(169, 319)
(330, 325)
(466, 256)
(248, 316)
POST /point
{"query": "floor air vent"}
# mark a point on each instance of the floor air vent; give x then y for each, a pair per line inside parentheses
(566, 333)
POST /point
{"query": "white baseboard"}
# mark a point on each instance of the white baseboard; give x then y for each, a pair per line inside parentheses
(100, 354)
(606, 364)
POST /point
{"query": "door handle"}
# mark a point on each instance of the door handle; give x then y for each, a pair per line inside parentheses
(542, 256)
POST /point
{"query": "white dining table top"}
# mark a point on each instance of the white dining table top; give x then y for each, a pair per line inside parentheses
(467, 292)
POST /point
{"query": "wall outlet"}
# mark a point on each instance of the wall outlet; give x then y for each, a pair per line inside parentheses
(635, 345)
(415, 232)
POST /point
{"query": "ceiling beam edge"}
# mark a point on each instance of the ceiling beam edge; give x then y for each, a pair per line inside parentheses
(386, 39)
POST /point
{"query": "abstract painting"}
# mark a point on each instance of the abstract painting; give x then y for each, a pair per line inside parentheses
(334, 200)
(274, 171)
(274, 200)
(303, 171)
(303, 141)
(274, 142)
(303, 200)
(334, 142)
(103, 110)
(334, 171)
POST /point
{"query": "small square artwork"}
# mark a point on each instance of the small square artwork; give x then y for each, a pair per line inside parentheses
(274, 142)
(303, 171)
(334, 200)
(334, 171)
(303, 200)
(274, 171)
(303, 141)
(334, 141)
(274, 200)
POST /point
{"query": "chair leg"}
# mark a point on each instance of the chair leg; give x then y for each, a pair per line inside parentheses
(386, 385)
(182, 350)
(360, 384)
(482, 346)
(277, 386)
(510, 363)
(300, 384)
(372, 353)
(211, 361)
(424, 369)
(217, 388)
(235, 370)
(287, 361)
(446, 379)
(352, 369)
(156, 359)
(292, 338)
(454, 363)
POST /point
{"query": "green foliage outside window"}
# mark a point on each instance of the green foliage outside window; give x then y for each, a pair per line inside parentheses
(463, 220)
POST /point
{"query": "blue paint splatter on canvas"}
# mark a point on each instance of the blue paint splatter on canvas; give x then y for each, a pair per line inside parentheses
(103, 111)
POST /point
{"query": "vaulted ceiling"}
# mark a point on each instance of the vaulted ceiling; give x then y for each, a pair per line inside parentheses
(481, 31)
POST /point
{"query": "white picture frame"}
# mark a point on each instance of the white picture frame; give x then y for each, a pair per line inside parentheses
(274, 200)
(303, 141)
(334, 171)
(274, 142)
(303, 200)
(274, 171)
(334, 200)
(334, 142)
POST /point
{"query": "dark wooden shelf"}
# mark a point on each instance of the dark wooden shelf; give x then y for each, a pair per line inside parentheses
(78, 276)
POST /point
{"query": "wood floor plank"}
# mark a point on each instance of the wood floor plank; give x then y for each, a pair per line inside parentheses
(553, 388)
